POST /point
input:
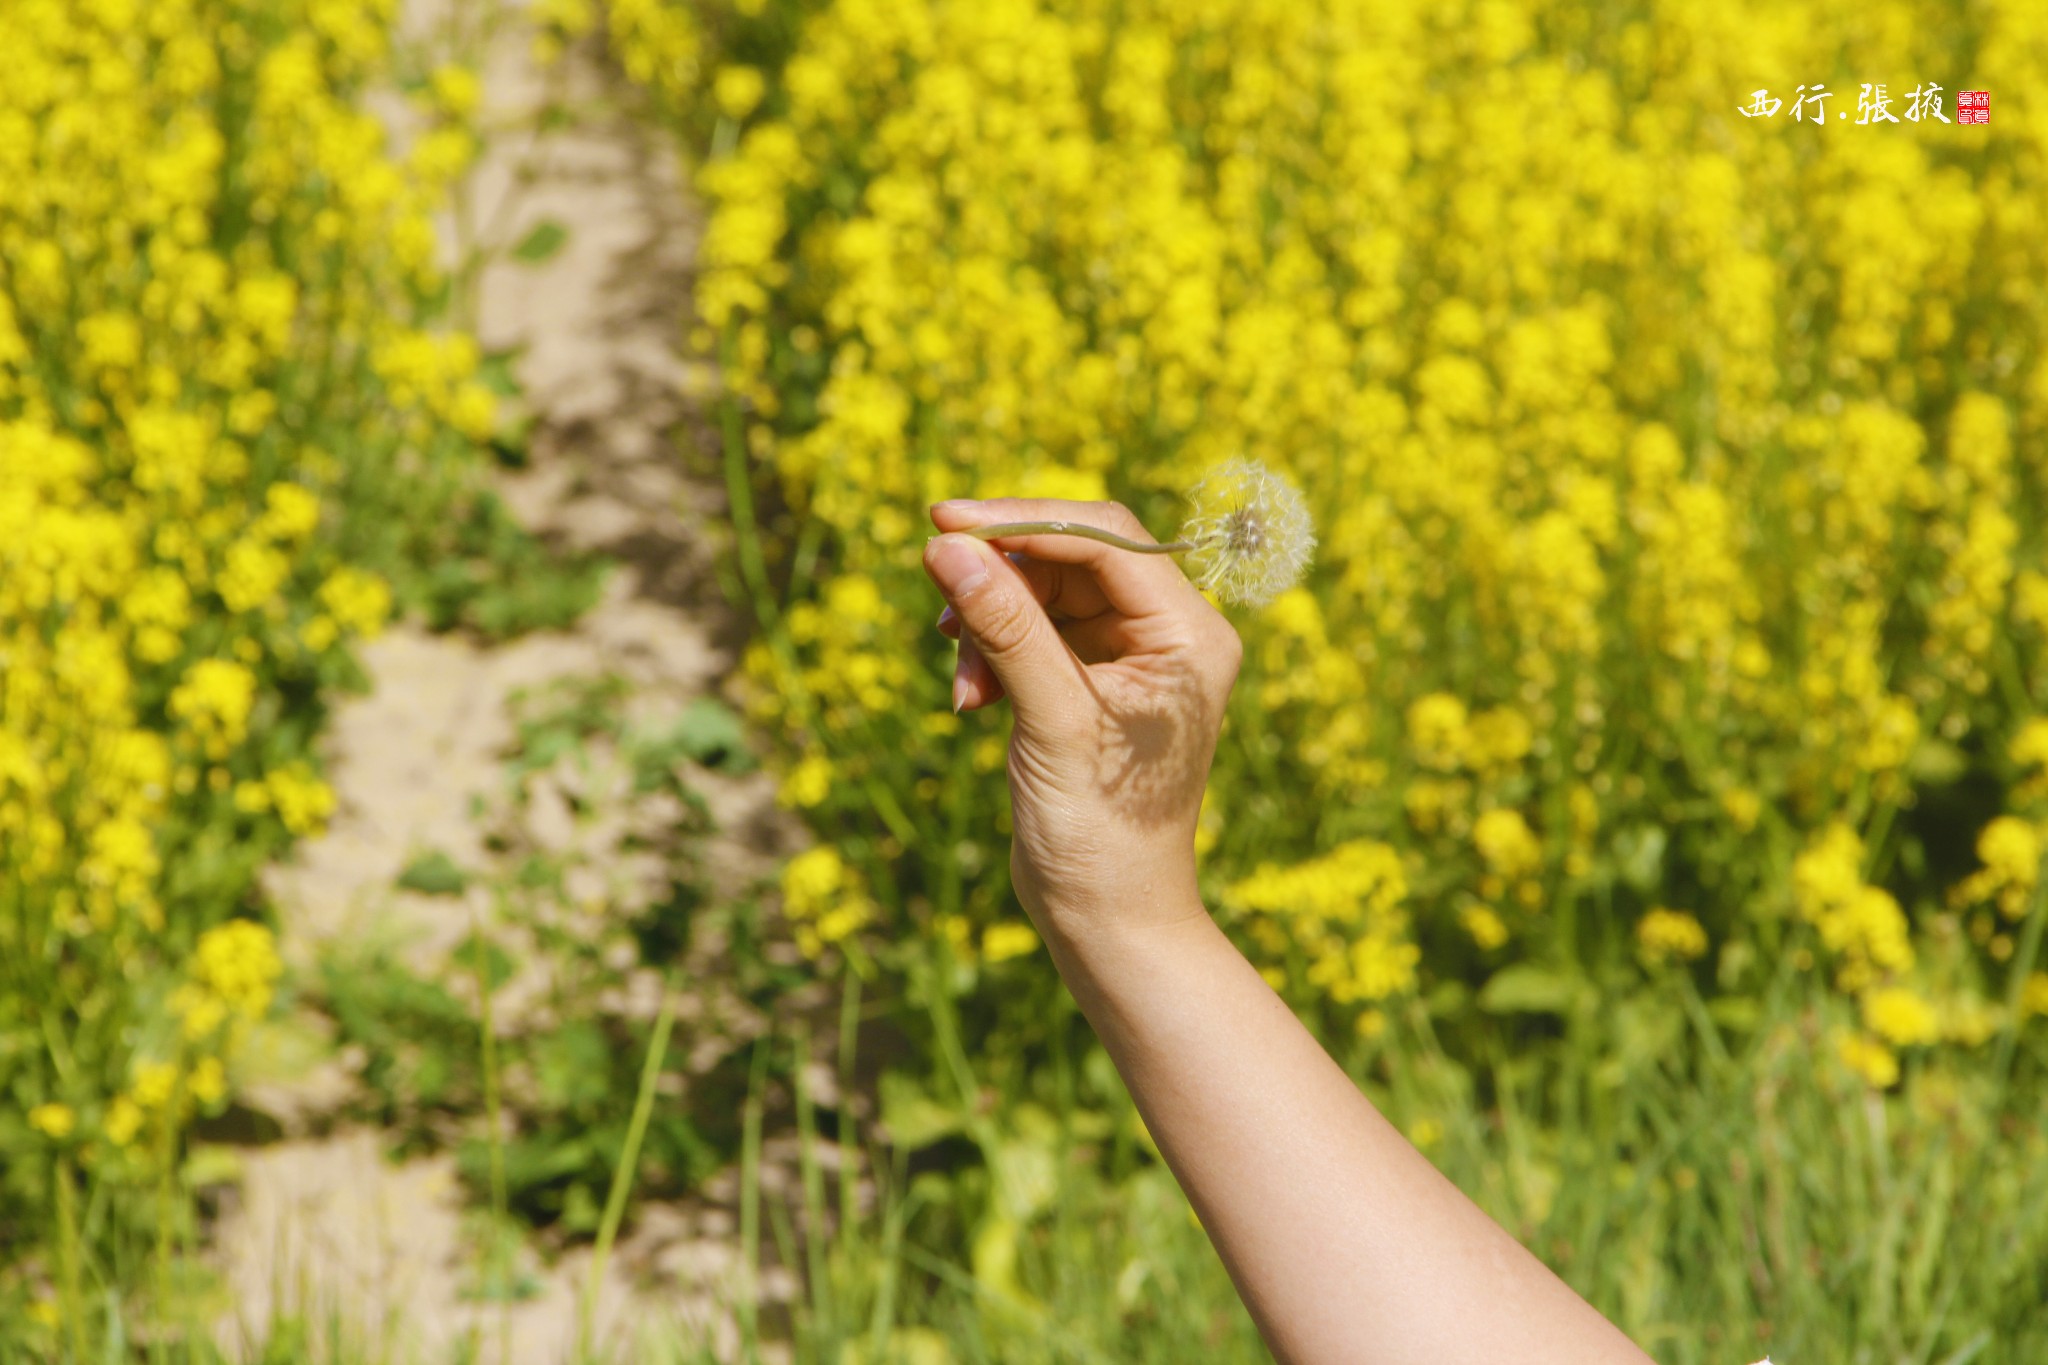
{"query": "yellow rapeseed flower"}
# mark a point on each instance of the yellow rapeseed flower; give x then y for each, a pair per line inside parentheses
(823, 899)
(1663, 934)
(209, 1081)
(358, 602)
(1868, 1058)
(1506, 842)
(1484, 925)
(123, 1120)
(456, 89)
(54, 1121)
(1901, 1016)
(237, 962)
(738, 90)
(1437, 730)
(301, 800)
(155, 1082)
(1008, 939)
(215, 700)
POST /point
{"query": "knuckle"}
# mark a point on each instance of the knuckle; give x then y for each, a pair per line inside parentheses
(1042, 576)
(1223, 648)
(1231, 647)
(1122, 520)
(1004, 624)
(1231, 660)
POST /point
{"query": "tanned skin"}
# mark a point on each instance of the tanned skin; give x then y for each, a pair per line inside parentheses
(1347, 1245)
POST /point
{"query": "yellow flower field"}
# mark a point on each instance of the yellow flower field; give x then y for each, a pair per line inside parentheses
(1644, 795)
(212, 389)
(1666, 703)
(1676, 467)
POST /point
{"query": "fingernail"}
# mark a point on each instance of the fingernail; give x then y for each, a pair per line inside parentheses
(959, 687)
(945, 615)
(953, 504)
(956, 565)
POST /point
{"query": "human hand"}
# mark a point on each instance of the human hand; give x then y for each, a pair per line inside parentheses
(1118, 671)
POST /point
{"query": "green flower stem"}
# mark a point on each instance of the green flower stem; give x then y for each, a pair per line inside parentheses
(70, 1281)
(1070, 528)
(629, 1166)
(2022, 968)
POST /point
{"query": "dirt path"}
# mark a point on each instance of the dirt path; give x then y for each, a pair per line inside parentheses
(322, 1222)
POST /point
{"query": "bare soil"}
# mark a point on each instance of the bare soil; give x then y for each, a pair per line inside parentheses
(322, 1222)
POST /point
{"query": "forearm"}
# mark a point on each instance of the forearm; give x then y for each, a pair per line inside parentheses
(1344, 1241)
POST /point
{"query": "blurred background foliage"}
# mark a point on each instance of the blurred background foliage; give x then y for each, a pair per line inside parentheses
(1642, 797)
(1667, 693)
(235, 437)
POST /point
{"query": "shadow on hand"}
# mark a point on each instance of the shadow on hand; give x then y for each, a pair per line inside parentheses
(1156, 738)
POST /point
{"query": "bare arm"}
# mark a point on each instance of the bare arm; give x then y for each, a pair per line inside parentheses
(1344, 1241)
(1346, 1244)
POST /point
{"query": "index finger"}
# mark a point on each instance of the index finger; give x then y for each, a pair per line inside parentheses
(1135, 584)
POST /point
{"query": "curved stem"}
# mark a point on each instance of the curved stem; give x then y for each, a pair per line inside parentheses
(1072, 528)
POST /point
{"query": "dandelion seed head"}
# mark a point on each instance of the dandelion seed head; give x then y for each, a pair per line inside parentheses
(1252, 533)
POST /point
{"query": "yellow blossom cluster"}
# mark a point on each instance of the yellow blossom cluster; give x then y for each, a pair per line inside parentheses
(2029, 752)
(1345, 913)
(2010, 849)
(1868, 1058)
(1861, 924)
(1664, 934)
(1901, 1017)
(1010, 938)
(1672, 474)
(823, 899)
(232, 973)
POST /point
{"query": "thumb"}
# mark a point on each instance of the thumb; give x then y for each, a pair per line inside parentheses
(997, 607)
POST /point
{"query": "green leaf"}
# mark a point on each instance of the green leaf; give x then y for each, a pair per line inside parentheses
(211, 1163)
(1639, 854)
(1936, 763)
(512, 447)
(498, 964)
(1027, 1177)
(1644, 1029)
(496, 373)
(433, 874)
(573, 1066)
(1089, 1125)
(529, 1162)
(912, 1117)
(711, 733)
(538, 245)
(1525, 988)
(1447, 999)
(1738, 1012)
(580, 1211)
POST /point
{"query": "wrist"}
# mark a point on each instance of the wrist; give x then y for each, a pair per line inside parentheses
(1115, 924)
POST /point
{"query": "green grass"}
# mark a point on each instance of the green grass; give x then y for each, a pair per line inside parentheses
(1761, 1203)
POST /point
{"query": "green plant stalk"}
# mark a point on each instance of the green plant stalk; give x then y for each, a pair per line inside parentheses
(750, 1206)
(495, 1137)
(895, 1218)
(1075, 528)
(849, 1025)
(2022, 968)
(167, 1147)
(817, 1254)
(67, 1256)
(628, 1167)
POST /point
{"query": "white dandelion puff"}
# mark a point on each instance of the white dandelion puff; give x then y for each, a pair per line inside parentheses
(1251, 532)
(1249, 536)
